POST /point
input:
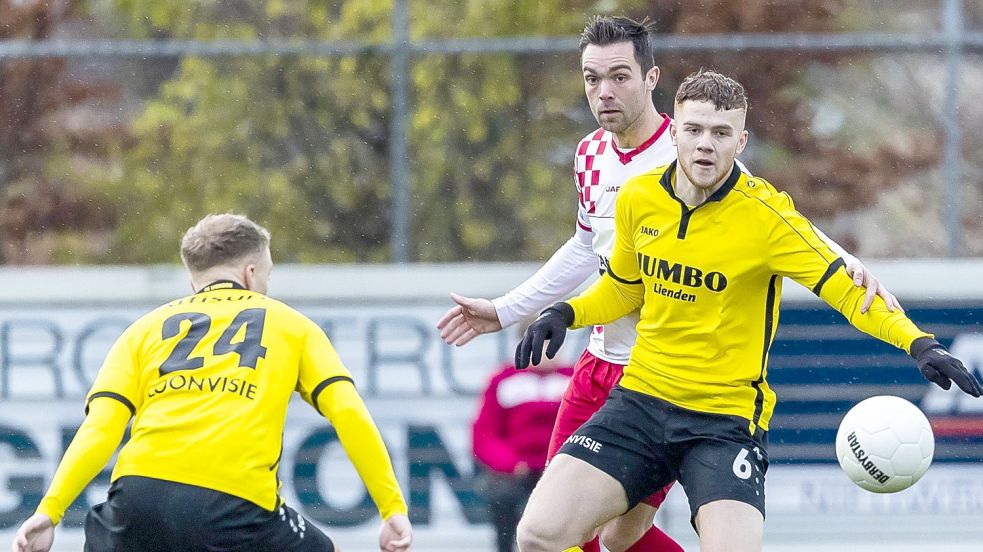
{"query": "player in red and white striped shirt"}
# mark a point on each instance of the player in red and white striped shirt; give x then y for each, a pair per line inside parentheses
(619, 74)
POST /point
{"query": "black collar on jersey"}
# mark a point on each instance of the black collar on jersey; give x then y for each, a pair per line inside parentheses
(685, 211)
(221, 284)
(666, 181)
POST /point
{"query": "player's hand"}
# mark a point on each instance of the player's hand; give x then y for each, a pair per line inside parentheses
(865, 278)
(551, 326)
(941, 368)
(35, 535)
(396, 534)
(468, 319)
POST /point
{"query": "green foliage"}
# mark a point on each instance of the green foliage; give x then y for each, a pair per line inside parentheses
(302, 144)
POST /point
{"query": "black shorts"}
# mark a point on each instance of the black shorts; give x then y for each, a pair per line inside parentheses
(645, 443)
(151, 515)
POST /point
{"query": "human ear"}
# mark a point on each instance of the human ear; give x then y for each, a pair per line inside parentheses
(742, 141)
(652, 78)
(249, 275)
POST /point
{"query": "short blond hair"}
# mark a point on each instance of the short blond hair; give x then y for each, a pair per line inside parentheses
(723, 92)
(223, 239)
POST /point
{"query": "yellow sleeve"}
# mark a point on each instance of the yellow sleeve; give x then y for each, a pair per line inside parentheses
(118, 377)
(606, 300)
(892, 327)
(795, 250)
(90, 450)
(619, 291)
(320, 366)
(363, 444)
(799, 252)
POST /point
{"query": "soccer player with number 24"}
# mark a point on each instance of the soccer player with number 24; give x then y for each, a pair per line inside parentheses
(206, 379)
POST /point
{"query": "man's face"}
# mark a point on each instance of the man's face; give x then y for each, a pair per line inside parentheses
(707, 141)
(616, 89)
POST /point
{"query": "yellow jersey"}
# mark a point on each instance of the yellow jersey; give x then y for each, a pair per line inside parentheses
(208, 378)
(708, 280)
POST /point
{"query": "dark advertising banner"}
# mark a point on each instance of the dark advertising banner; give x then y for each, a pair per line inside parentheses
(820, 366)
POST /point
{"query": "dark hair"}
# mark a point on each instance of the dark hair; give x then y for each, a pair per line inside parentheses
(218, 240)
(602, 30)
(723, 92)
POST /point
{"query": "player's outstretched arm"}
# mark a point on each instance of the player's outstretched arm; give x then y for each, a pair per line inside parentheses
(467, 319)
(863, 277)
(93, 445)
(396, 534)
(569, 267)
(90, 449)
(608, 299)
(941, 368)
(359, 436)
(934, 362)
(37, 534)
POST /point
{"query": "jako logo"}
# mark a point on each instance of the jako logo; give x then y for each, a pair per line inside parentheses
(681, 274)
(654, 232)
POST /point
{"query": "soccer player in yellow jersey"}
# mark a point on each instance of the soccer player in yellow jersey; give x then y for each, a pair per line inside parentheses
(206, 379)
(619, 75)
(701, 249)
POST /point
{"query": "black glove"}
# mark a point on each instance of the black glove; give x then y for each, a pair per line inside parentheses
(551, 325)
(941, 368)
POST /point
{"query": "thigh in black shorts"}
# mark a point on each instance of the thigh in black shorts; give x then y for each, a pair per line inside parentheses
(645, 443)
(150, 515)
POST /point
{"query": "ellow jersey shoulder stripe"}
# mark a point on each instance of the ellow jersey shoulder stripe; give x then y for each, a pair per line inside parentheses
(116, 396)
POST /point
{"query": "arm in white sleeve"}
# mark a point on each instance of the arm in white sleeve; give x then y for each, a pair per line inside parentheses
(572, 264)
(847, 258)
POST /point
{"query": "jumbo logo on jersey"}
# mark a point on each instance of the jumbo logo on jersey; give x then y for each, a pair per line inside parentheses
(676, 273)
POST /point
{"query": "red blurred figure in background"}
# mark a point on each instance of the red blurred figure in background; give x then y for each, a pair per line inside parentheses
(511, 436)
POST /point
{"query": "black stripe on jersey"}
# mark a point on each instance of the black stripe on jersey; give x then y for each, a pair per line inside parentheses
(622, 280)
(833, 267)
(324, 384)
(666, 183)
(126, 402)
(759, 401)
(685, 212)
(759, 396)
(684, 220)
(278, 458)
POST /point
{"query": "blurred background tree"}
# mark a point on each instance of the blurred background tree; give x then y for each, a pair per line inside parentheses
(51, 121)
(302, 142)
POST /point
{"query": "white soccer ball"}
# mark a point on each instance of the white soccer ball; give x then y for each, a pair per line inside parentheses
(885, 444)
